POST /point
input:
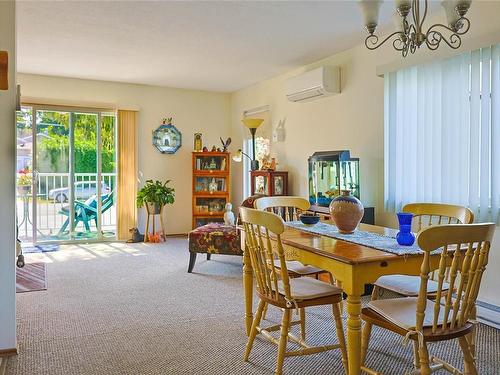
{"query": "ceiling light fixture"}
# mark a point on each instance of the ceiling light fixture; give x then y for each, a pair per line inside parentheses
(409, 20)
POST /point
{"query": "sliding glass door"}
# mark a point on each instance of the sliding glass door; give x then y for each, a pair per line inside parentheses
(72, 168)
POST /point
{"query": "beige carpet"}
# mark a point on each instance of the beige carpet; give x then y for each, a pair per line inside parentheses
(133, 309)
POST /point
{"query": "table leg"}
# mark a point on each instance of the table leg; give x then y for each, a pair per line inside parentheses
(354, 333)
(248, 286)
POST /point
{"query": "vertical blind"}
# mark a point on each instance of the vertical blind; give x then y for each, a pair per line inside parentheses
(442, 133)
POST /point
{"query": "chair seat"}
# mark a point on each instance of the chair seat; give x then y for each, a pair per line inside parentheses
(402, 311)
(306, 288)
(399, 315)
(300, 269)
(407, 285)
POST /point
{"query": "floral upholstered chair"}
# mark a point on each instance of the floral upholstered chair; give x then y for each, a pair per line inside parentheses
(216, 238)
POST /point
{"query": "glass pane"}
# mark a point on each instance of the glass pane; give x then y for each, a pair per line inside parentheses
(108, 157)
(213, 185)
(211, 163)
(52, 164)
(278, 185)
(261, 185)
(24, 168)
(209, 205)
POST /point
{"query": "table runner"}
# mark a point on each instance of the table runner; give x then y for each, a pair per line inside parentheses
(369, 239)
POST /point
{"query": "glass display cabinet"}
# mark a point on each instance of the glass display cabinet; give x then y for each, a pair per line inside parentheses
(329, 173)
(211, 188)
(269, 182)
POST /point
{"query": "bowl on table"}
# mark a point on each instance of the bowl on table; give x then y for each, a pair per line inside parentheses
(309, 219)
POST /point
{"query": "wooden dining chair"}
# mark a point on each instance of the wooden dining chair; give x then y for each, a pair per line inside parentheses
(275, 287)
(464, 248)
(424, 215)
(289, 208)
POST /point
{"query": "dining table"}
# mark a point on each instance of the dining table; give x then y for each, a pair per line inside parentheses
(351, 264)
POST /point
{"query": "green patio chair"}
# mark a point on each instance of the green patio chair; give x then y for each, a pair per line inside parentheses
(86, 211)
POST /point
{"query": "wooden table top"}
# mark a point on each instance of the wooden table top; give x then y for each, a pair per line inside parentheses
(347, 252)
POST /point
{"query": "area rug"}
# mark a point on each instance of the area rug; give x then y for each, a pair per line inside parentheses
(40, 248)
(32, 277)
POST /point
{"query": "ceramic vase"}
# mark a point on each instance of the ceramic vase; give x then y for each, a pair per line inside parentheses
(346, 211)
(405, 237)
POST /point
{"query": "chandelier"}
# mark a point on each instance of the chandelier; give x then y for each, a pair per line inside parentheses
(409, 19)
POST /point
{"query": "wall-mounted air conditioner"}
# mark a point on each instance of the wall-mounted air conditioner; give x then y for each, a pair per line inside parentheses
(317, 83)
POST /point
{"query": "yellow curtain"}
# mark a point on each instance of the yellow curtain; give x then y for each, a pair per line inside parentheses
(127, 172)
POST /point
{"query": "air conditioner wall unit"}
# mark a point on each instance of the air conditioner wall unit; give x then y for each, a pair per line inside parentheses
(317, 83)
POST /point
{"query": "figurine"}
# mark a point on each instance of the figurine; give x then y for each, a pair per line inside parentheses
(214, 148)
(218, 149)
(229, 215)
(213, 164)
(225, 144)
(205, 149)
(212, 186)
(197, 142)
(223, 164)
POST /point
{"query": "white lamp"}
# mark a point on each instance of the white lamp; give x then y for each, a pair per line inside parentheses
(370, 9)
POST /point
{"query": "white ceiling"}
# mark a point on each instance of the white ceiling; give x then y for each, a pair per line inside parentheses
(208, 45)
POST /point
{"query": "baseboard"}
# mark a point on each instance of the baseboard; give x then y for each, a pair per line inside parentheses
(8, 352)
(488, 314)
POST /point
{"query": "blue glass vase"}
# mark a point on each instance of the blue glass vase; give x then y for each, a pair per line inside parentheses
(405, 237)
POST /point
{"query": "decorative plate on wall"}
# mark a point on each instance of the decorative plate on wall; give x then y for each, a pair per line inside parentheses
(167, 139)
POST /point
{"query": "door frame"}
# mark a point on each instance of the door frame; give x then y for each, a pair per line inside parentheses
(71, 181)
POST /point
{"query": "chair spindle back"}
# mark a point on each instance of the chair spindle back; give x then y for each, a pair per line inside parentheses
(258, 227)
(428, 214)
(466, 247)
(288, 208)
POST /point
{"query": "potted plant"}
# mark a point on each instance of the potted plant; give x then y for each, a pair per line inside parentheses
(24, 181)
(154, 195)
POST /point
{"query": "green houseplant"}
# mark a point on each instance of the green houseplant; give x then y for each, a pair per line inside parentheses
(154, 195)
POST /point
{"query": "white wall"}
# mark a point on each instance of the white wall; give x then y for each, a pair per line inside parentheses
(7, 189)
(352, 120)
(192, 111)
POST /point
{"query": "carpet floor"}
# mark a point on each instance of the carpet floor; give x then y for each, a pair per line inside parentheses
(132, 309)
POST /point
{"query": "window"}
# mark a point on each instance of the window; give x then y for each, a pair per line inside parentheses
(262, 150)
(442, 133)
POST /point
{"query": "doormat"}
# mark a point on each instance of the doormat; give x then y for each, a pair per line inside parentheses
(32, 277)
(40, 248)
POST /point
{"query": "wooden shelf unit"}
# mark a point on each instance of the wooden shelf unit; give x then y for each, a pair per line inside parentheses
(211, 186)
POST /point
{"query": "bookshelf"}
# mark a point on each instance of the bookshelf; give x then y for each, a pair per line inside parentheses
(211, 186)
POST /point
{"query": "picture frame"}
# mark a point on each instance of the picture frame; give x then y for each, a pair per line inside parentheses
(167, 139)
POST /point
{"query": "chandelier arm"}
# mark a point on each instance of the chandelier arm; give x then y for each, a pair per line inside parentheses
(415, 12)
(372, 42)
(464, 26)
(399, 44)
(424, 16)
(434, 38)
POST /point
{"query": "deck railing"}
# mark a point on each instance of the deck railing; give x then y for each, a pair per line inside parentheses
(53, 195)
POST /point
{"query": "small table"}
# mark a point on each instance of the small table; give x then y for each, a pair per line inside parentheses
(352, 264)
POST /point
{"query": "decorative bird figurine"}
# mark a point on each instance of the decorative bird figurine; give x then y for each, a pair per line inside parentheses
(225, 144)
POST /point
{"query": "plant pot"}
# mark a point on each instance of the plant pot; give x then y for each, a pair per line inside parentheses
(346, 211)
(23, 189)
(153, 208)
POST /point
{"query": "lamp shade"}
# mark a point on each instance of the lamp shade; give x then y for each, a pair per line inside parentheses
(450, 10)
(370, 9)
(252, 123)
(238, 156)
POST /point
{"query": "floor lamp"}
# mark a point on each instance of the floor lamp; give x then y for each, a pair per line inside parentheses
(252, 124)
